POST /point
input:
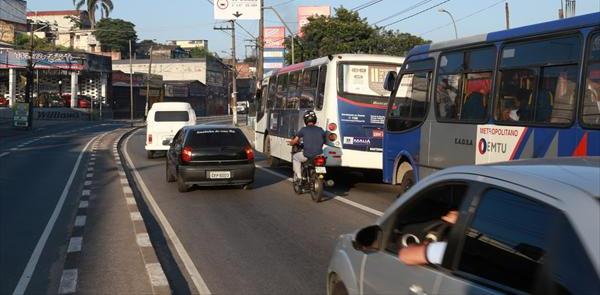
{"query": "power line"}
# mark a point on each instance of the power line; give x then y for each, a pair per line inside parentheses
(403, 11)
(464, 17)
(283, 3)
(365, 5)
(415, 14)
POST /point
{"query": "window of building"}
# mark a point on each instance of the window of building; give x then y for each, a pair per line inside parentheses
(321, 87)
(590, 115)
(538, 81)
(409, 106)
(463, 85)
(507, 240)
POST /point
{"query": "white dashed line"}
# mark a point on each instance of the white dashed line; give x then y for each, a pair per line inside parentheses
(143, 240)
(123, 180)
(75, 244)
(39, 247)
(86, 192)
(127, 190)
(90, 169)
(89, 175)
(135, 216)
(80, 220)
(130, 201)
(87, 183)
(84, 204)
(68, 281)
(157, 276)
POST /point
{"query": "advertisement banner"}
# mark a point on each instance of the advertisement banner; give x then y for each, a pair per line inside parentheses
(21, 115)
(55, 61)
(304, 12)
(274, 37)
(497, 143)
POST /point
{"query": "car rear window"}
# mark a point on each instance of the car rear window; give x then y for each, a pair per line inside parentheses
(171, 116)
(216, 138)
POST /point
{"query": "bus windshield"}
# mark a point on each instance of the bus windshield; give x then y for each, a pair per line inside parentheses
(363, 82)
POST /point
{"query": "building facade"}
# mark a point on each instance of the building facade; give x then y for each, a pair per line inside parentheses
(68, 28)
(189, 44)
(12, 20)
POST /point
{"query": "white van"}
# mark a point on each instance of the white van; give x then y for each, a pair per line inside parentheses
(164, 120)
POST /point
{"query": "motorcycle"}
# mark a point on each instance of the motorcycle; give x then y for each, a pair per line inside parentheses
(313, 176)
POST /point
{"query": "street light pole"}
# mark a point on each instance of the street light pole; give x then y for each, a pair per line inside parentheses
(148, 82)
(453, 22)
(234, 75)
(130, 84)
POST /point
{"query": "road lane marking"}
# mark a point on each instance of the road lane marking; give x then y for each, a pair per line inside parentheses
(75, 244)
(143, 240)
(68, 282)
(4, 154)
(329, 194)
(135, 216)
(89, 175)
(157, 276)
(86, 192)
(130, 201)
(80, 220)
(127, 190)
(39, 247)
(191, 269)
(84, 204)
(87, 183)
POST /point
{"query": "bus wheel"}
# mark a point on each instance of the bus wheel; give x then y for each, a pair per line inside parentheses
(272, 161)
(408, 180)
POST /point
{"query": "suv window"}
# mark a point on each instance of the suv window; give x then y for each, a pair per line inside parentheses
(507, 240)
(171, 116)
(216, 138)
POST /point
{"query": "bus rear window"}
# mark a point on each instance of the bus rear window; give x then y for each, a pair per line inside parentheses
(364, 82)
(171, 116)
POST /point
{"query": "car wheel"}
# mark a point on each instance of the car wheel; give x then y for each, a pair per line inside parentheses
(408, 180)
(170, 176)
(339, 289)
(150, 154)
(182, 187)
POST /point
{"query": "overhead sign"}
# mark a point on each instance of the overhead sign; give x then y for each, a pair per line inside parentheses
(304, 12)
(274, 37)
(237, 9)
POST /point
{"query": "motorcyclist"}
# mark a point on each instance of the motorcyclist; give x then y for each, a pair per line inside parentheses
(313, 139)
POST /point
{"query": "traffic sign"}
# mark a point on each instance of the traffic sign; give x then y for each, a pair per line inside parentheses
(237, 9)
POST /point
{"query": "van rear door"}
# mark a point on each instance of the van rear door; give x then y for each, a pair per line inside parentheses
(166, 123)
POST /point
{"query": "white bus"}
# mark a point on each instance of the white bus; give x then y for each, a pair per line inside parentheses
(345, 90)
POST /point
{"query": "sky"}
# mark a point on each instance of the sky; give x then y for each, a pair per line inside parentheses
(193, 19)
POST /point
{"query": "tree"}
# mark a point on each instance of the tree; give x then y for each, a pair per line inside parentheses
(142, 49)
(23, 41)
(106, 7)
(200, 52)
(347, 32)
(114, 35)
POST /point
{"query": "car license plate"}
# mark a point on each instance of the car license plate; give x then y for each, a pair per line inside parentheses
(219, 174)
(320, 170)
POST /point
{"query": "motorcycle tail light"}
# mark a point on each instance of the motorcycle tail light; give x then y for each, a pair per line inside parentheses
(332, 137)
(332, 126)
(320, 161)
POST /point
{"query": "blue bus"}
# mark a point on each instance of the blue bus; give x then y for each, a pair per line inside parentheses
(529, 92)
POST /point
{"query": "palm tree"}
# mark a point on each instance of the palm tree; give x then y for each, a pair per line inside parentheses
(106, 7)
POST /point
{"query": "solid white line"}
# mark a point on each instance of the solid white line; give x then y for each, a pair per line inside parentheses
(329, 194)
(4, 154)
(197, 279)
(39, 247)
(68, 281)
(75, 244)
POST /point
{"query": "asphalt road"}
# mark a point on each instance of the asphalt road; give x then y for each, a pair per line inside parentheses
(261, 241)
(34, 168)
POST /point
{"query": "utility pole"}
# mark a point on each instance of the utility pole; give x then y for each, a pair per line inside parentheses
(28, 88)
(507, 14)
(260, 48)
(130, 83)
(148, 82)
(233, 101)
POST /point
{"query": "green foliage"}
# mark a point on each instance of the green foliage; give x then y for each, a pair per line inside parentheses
(142, 49)
(347, 32)
(200, 52)
(114, 35)
(23, 41)
(92, 6)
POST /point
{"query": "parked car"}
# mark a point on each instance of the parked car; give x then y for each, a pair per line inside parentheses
(3, 101)
(242, 107)
(210, 155)
(523, 227)
(83, 101)
(163, 121)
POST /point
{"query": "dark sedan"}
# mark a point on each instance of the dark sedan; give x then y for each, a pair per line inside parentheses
(210, 155)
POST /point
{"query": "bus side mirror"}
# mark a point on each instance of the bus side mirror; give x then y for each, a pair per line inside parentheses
(390, 81)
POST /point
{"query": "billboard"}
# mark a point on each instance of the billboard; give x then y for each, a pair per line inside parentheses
(237, 9)
(304, 12)
(274, 37)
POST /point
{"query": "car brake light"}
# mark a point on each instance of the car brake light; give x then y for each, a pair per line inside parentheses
(320, 161)
(186, 154)
(150, 138)
(332, 137)
(332, 126)
(249, 153)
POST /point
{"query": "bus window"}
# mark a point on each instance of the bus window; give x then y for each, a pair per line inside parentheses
(530, 91)
(272, 93)
(591, 99)
(321, 87)
(409, 106)
(281, 91)
(292, 94)
(363, 83)
(309, 89)
(463, 85)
